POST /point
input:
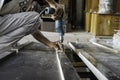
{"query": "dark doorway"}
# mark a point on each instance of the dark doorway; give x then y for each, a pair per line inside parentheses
(76, 13)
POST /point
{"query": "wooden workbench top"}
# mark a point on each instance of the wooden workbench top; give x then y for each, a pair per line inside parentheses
(105, 61)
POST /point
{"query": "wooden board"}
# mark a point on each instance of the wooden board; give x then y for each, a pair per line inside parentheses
(91, 5)
(95, 5)
(104, 25)
(87, 21)
(88, 5)
(117, 6)
(106, 63)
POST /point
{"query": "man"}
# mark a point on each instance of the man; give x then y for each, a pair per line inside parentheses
(15, 22)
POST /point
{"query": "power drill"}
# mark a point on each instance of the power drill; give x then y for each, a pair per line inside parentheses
(58, 22)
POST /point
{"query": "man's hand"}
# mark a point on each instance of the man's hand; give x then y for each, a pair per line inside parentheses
(59, 9)
(58, 12)
(57, 46)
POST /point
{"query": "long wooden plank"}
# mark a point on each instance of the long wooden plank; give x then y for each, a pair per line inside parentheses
(99, 60)
(96, 72)
(69, 72)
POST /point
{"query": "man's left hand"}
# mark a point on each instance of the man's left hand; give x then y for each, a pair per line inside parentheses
(58, 12)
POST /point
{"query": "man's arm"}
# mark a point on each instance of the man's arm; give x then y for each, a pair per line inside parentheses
(40, 37)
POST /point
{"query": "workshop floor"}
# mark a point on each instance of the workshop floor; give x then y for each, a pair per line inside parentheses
(78, 36)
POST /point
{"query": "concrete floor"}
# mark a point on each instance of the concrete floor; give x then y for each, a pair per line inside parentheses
(78, 36)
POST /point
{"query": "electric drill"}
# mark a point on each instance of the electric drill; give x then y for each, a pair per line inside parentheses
(58, 22)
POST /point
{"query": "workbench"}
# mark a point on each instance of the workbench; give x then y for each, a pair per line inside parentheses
(104, 63)
(36, 61)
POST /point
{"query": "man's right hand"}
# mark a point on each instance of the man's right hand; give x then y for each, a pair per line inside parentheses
(58, 12)
(59, 9)
(57, 46)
